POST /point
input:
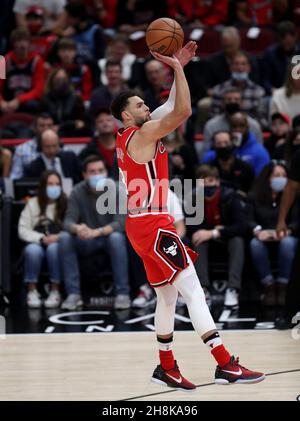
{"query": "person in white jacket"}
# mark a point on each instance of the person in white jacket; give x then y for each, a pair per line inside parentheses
(39, 226)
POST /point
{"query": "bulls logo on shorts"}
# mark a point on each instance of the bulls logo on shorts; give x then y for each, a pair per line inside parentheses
(161, 147)
(171, 250)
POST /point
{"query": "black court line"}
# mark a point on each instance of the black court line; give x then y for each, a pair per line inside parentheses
(199, 385)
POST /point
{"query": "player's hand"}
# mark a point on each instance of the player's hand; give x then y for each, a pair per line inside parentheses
(170, 61)
(186, 53)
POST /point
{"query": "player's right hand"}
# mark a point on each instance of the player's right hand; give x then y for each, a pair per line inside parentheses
(170, 61)
(186, 53)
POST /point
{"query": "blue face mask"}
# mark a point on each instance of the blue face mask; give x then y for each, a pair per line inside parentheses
(209, 191)
(240, 76)
(53, 192)
(278, 184)
(97, 181)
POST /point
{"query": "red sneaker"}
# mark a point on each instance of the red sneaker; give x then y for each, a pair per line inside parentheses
(172, 378)
(233, 372)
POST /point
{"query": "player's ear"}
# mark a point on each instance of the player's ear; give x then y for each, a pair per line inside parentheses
(125, 115)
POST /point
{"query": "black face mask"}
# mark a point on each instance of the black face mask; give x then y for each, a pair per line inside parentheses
(232, 107)
(295, 148)
(209, 191)
(224, 153)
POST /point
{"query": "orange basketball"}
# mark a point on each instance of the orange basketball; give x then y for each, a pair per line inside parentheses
(165, 36)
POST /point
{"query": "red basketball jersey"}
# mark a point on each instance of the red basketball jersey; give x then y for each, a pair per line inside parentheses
(147, 184)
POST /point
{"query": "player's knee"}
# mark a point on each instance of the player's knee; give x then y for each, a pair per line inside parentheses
(167, 299)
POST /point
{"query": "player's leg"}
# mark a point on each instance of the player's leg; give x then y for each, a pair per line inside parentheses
(228, 369)
(167, 373)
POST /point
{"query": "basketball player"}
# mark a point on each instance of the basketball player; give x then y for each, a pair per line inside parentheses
(142, 160)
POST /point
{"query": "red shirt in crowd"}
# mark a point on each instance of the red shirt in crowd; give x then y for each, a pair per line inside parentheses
(208, 12)
(24, 78)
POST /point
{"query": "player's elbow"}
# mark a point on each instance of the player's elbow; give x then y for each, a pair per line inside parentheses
(186, 113)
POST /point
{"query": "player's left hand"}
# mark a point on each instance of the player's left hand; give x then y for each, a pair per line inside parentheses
(186, 53)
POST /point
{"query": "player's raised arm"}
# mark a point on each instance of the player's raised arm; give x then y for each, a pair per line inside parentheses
(184, 56)
(153, 130)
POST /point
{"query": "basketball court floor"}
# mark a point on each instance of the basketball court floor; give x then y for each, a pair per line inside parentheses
(98, 354)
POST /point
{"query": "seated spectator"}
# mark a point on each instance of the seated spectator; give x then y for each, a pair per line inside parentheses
(264, 203)
(156, 74)
(279, 133)
(29, 150)
(24, 83)
(199, 13)
(246, 145)
(103, 96)
(104, 139)
(87, 34)
(287, 99)
(52, 157)
(277, 56)
(223, 225)
(64, 105)
(39, 226)
(103, 11)
(287, 150)
(42, 40)
(53, 10)
(234, 172)
(136, 16)
(232, 99)
(79, 74)
(118, 50)
(253, 12)
(252, 94)
(5, 161)
(89, 232)
(183, 162)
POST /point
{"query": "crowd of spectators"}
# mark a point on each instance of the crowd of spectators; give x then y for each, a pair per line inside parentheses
(67, 60)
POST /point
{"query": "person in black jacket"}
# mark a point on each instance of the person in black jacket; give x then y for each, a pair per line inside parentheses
(234, 172)
(224, 222)
(64, 105)
(52, 157)
(263, 212)
(183, 161)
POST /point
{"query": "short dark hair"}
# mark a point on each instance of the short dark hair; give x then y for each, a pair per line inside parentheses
(90, 159)
(120, 102)
(44, 115)
(112, 62)
(19, 34)
(213, 138)
(66, 44)
(286, 28)
(76, 10)
(232, 89)
(204, 171)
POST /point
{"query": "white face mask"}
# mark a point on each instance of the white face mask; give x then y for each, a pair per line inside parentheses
(240, 76)
(237, 139)
(278, 184)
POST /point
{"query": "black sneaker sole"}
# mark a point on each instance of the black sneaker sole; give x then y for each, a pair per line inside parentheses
(225, 382)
